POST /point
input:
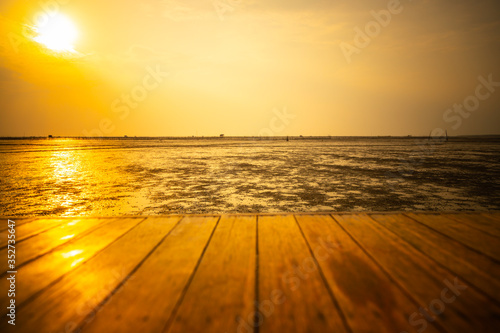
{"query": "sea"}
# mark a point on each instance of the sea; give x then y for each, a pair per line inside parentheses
(157, 176)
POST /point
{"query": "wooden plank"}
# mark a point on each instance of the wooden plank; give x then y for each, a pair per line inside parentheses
(63, 305)
(221, 296)
(44, 271)
(493, 214)
(471, 266)
(432, 286)
(366, 295)
(392, 267)
(147, 300)
(19, 221)
(475, 239)
(481, 222)
(44, 242)
(292, 295)
(36, 227)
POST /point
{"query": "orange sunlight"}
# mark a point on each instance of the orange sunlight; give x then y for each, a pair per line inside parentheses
(58, 33)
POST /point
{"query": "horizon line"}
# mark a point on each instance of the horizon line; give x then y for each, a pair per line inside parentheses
(237, 136)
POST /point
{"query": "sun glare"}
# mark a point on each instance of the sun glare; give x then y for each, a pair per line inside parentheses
(58, 33)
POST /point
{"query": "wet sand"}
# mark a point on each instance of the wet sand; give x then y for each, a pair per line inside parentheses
(69, 177)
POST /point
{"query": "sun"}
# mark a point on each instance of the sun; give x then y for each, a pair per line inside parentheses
(57, 33)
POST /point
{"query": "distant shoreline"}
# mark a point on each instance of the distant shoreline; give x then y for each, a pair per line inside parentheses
(253, 138)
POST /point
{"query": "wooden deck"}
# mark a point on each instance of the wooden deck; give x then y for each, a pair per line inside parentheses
(375, 272)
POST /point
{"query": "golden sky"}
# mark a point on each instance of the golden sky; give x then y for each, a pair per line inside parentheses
(251, 67)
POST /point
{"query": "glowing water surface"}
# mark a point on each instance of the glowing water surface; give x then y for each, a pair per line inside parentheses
(72, 177)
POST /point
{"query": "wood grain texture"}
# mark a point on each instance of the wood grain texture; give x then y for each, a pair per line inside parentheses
(366, 295)
(44, 242)
(44, 271)
(293, 295)
(471, 266)
(225, 279)
(19, 221)
(27, 230)
(491, 214)
(474, 238)
(146, 302)
(244, 273)
(70, 300)
(465, 311)
(483, 222)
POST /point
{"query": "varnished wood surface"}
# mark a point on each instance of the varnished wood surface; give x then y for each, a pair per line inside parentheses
(346, 272)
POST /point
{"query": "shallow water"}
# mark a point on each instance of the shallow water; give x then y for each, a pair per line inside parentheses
(69, 177)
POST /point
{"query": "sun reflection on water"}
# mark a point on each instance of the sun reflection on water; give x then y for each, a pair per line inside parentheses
(66, 167)
(71, 177)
